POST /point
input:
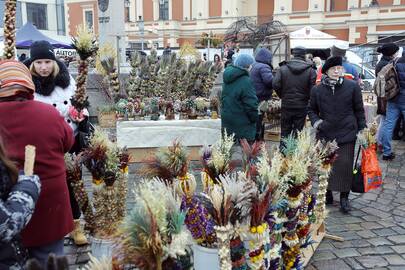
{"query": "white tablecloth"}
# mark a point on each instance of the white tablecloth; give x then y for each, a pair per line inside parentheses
(150, 134)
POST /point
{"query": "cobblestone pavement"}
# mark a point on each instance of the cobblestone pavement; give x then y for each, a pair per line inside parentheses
(374, 231)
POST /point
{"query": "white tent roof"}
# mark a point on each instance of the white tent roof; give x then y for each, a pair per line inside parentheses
(309, 32)
(311, 38)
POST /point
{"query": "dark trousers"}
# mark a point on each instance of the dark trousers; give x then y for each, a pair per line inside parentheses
(76, 212)
(260, 128)
(292, 120)
(73, 203)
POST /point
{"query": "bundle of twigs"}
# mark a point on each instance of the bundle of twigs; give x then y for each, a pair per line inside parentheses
(86, 46)
(108, 64)
(9, 29)
(74, 177)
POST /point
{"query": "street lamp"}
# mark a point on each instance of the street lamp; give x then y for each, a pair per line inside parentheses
(141, 26)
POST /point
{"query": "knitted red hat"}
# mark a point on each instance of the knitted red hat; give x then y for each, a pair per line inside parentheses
(14, 73)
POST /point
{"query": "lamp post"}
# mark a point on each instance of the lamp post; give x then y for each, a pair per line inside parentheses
(141, 26)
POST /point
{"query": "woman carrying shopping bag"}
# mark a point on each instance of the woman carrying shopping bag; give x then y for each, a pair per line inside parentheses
(336, 111)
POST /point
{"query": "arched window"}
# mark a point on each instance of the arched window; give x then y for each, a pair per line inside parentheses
(163, 10)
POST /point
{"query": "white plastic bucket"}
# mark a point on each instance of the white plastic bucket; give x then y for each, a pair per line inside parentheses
(101, 248)
(205, 258)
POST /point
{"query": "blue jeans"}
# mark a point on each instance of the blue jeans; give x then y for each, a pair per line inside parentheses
(380, 129)
(394, 110)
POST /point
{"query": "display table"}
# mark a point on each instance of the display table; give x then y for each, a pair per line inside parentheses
(143, 138)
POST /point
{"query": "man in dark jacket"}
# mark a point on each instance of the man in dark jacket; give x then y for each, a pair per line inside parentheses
(293, 83)
(395, 107)
(238, 100)
(388, 51)
(262, 78)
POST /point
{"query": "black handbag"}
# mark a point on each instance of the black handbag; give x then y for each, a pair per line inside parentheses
(357, 181)
(381, 105)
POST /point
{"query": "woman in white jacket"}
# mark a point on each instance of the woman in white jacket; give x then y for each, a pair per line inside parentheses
(54, 85)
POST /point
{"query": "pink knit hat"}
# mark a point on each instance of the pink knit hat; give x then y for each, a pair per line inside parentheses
(14, 73)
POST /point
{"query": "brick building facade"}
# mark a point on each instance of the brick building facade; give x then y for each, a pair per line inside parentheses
(174, 22)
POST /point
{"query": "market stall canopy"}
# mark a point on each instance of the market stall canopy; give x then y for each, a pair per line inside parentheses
(311, 38)
(28, 34)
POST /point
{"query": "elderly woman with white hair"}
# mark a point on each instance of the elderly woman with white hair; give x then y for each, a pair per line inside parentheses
(336, 111)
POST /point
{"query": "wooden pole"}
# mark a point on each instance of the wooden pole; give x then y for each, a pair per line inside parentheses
(29, 160)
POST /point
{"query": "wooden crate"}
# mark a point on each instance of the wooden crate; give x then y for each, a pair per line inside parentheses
(107, 119)
(317, 234)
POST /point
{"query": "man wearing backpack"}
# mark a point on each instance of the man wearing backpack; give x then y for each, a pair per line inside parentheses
(395, 93)
(388, 52)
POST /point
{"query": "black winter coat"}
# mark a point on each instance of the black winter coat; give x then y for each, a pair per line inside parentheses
(385, 60)
(293, 83)
(341, 110)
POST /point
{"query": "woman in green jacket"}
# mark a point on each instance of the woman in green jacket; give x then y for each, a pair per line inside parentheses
(238, 100)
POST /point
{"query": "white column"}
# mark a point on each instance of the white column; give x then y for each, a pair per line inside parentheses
(132, 11)
(139, 9)
(186, 9)
(170, 9)
(372, 28)
(225, 8)
(155, 10)
(206, 9)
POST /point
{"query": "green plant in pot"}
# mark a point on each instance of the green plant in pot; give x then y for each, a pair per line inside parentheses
(214, 106)
(190, 108)
(121, 107)
(154, 108)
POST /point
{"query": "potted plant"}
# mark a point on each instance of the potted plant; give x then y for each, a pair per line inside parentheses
(214, 107)
(154, 108)
(153, 235)
(107, 165)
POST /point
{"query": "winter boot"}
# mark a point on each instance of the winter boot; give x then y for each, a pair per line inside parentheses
(78, 235)
(329, 197)
(344, 202)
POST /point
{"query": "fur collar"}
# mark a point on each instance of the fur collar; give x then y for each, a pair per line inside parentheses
(45, 86)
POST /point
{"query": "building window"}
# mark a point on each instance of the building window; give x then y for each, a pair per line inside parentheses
(88, 18)
(18, 14)
(163, 10)
(37, 15)
(338, 5)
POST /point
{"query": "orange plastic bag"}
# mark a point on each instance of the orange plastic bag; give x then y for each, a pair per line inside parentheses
(370, 168)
